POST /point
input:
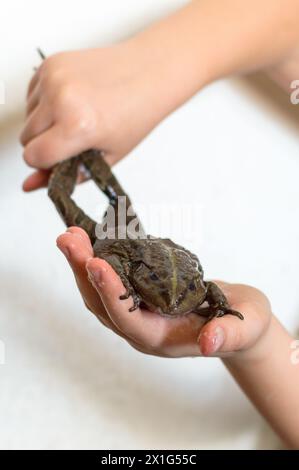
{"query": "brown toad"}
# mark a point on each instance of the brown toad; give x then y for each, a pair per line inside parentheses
(156, 272)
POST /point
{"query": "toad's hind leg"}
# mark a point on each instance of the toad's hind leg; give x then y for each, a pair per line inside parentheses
(61, 185)
(218, 305)
(103, 177)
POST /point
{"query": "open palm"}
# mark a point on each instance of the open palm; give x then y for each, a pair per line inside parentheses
(151, 333)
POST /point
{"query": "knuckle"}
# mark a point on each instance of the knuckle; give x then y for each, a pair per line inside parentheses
(81, 122)
(32, 150)
(49, 63)
(52, 73)
(51, 81)
(64, 94)
(28, 155)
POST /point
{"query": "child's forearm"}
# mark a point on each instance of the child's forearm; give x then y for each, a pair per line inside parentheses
(269, 375)
(209, 39)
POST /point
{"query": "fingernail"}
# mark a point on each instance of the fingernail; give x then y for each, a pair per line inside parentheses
(218, 339)
(94, 276)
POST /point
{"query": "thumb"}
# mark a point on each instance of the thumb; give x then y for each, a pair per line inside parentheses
(230, 334)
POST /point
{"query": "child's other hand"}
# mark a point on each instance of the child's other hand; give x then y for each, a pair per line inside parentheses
(149, 332)
(102, 98)
(111, 98)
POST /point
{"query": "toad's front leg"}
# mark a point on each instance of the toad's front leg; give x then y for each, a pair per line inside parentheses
(122, 268)
(218, 305)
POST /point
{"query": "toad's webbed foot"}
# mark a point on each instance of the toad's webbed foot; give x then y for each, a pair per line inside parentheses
(218, 305)
(136, 302)
(130, 292)
(227, 311)
(122, 269)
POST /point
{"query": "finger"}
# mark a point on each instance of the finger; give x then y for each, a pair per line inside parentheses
(76, 247)
(70, 243)
(38, 179)
(146, 328)
(78, 231)
(33, 99)
(50, 147)
(37, 122)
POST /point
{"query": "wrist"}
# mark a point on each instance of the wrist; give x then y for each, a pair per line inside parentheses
(268, 374)
(261, 350)
(286, 71)
(208, 40)
(171, 60)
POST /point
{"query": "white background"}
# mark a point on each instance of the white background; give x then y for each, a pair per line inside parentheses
(233, 153)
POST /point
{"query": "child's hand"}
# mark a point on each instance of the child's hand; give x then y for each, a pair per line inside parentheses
(111, 98)
(258, 351)
(149, 332)
(103, 98)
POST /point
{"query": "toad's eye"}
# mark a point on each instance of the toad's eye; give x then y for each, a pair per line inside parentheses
(153, 277)
(192, 286)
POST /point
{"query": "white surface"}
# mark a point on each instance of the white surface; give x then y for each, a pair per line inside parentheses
(67, 382)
